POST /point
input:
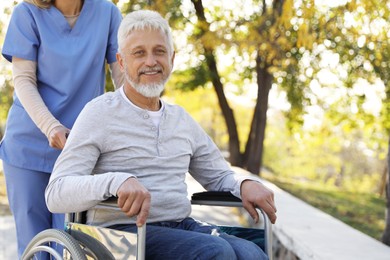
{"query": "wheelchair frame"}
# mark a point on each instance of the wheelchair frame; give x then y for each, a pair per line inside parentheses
(82, 242)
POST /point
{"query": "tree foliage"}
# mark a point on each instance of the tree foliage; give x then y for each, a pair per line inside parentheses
(357, 34)
(6, 84)
(254, 45)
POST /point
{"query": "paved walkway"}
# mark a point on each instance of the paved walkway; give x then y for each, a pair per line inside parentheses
(313, 234)
(7, 238)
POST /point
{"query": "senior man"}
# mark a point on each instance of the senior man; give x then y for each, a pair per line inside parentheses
(133, 145)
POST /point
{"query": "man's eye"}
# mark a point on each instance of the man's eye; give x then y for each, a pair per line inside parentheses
(138, 53)
(160, 51)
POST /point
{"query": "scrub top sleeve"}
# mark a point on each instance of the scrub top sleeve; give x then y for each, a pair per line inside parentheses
(112, 48)
(21, 39)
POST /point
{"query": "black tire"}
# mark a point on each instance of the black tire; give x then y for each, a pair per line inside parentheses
(92, 247)
(51, 241)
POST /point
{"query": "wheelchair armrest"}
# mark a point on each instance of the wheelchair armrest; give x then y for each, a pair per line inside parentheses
(80, 217)
(216, 198)
(111, 202)
(215, 195)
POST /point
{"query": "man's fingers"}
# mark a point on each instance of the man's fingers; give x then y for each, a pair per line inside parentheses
(255, 194)
(252, 211)
(134, 199)
(126, 204)
(270, 210)
(121, 201)
(137, 206)
(272, 204)
(144, 212)
(137, 203)
(272, 216)
(132, 204)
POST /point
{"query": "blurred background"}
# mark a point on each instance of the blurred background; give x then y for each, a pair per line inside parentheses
(296, 92)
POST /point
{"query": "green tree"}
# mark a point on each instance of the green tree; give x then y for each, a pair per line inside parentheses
(6, 85)
(268, 43)
(358, 33)
(274, 36)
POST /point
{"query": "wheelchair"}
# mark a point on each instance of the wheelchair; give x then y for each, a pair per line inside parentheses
(79, 241)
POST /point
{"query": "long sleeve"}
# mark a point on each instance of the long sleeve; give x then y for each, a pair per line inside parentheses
(113, 140)
(25, 84)
(209, 167)
(73, 178)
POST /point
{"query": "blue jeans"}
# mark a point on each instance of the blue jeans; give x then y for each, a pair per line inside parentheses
(192, 239)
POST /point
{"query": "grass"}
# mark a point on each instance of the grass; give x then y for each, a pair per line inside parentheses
(364, 212)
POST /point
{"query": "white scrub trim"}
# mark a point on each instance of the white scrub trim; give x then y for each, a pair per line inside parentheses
(72, 19)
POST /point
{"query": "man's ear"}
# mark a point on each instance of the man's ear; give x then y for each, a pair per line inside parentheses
(120, 61)
(173, 58)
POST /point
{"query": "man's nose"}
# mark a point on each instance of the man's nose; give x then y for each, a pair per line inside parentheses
(150, 60)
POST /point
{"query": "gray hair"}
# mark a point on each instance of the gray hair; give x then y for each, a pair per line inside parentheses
(143, 20)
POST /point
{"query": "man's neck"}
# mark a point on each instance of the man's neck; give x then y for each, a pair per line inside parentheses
(150, 104)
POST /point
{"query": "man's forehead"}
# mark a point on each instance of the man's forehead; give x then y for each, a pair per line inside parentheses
(150, 33)
(146, 38)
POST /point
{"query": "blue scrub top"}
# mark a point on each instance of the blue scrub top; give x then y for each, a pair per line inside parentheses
(70, 71)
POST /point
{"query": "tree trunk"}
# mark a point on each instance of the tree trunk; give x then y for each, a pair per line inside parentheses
(251, 159)
(386, 233)
(384, 180)
(254, 146)
(235, 156)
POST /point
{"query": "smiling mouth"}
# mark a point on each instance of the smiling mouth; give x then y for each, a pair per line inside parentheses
(150, 72)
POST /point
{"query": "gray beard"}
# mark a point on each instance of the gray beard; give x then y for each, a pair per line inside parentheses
(147, 90)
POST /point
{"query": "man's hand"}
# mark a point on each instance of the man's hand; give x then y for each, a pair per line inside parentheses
(134, 199)
(57, 137)
(255, 194)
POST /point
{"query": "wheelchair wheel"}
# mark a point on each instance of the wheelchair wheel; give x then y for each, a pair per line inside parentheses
(92, 248)
(54, 244)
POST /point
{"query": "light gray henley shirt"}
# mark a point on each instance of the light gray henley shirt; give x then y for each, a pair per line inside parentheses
(112, 140)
